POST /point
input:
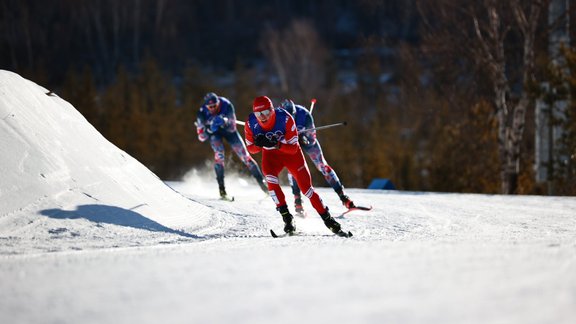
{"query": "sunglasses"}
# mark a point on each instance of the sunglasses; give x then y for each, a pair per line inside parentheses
(265, 113)
(211, 106)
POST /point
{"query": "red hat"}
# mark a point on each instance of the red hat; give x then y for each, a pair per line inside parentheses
(264, 103)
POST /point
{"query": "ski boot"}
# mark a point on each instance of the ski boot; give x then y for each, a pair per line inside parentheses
(346, 201)
(298, 207)
(289, 226)
(223, 195)
(333, 225)
(330, 222)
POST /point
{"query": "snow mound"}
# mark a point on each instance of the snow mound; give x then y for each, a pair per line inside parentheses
(58, 169)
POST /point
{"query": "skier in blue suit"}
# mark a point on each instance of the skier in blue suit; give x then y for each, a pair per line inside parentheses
(216, 121)
(311, 146)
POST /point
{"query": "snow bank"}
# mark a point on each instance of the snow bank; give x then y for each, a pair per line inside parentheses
(56, 166)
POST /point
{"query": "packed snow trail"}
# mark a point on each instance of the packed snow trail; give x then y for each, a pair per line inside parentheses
(415, 258)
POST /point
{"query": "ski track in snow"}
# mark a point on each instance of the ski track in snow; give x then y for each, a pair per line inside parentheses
(415, 258)
(500, 259)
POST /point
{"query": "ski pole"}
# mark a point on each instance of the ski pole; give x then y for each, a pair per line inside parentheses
(239, 122)
(322, 127)
(312, 103)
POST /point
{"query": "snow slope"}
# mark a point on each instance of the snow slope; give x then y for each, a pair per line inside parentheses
(89, 235)
(62, 181)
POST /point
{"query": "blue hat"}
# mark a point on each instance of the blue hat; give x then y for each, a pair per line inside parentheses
(210, 98)
(289, 106)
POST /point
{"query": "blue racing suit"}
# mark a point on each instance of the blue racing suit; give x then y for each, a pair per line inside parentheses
(220, 126)
(311, 147)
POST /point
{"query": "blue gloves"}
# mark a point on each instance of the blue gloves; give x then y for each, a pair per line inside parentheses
(217, 123)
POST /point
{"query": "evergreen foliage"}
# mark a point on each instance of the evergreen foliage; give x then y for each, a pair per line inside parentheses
(405, 75)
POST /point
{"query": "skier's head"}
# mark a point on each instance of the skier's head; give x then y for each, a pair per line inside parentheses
(212, 102)
(264, 112)
(289, 106)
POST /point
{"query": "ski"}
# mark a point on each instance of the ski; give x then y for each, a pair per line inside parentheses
(361, 208)
(344, 234)
(226, 198)
(274, 235)
(356, 208)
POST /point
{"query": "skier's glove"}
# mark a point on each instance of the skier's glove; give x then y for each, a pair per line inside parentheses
(217, 122)
(263, 141)
(303, 140)
(201, 135)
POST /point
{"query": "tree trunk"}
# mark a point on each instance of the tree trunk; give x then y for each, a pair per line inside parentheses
(511, 123)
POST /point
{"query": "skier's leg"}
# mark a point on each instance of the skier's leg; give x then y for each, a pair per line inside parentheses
(317, 157)
(296, 192)
(299, 170)
(239, 148)
(271, 168)
(219, 158)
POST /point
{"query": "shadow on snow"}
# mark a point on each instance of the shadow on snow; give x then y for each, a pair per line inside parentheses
(112, 215)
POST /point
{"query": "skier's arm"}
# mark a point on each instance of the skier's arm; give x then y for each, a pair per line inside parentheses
(230, 124)
(249, 139)
(201, 127)
(309, 137)
(291, 146)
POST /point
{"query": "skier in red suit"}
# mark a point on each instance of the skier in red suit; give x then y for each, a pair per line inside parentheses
(273, 132)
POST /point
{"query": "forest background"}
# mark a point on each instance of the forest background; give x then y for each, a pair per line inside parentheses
(439, 95)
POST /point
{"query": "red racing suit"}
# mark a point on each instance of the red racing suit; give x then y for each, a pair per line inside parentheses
(287, 154)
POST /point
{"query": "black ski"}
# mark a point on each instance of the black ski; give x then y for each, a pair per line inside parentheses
(360, 208)
(344, 234)
(274, 235)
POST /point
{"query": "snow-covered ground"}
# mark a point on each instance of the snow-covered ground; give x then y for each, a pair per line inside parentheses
(89, 235)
